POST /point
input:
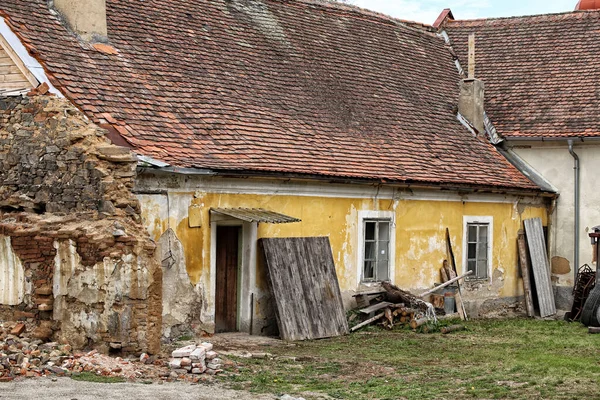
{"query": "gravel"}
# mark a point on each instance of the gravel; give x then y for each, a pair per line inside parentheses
(68, 389)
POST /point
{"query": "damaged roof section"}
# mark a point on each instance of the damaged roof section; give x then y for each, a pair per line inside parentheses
(272, 87)
(541, 73)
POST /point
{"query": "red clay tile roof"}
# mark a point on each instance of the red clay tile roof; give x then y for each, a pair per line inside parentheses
(541, 73)
(273, 86)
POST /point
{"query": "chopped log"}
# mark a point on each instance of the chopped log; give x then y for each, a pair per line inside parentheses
(448, 316)
(593, 329)
(443, 285)
(367, 322)
(415, 323)
(452, 328)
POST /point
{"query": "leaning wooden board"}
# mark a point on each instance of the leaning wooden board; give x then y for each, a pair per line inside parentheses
(305, 286)
(540, 265)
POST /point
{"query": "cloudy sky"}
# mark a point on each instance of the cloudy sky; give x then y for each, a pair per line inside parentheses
(427, 10)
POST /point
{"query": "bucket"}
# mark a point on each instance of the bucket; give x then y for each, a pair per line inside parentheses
(449, 302)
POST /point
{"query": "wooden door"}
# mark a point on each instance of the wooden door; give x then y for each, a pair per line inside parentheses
(226, 304)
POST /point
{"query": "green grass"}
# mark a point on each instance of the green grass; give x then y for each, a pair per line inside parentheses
(92, 377)
(509, 359)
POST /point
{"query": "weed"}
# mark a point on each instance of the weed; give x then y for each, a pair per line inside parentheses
(91, 377)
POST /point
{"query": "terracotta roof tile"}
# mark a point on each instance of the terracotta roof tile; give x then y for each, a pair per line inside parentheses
(273, 86)
(541, 73)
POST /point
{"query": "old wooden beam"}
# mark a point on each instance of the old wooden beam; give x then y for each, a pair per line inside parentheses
(460, 306)
(367, 322)
(524, 263)
(443, 285)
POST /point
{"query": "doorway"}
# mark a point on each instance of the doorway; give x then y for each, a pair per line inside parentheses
(228, 262)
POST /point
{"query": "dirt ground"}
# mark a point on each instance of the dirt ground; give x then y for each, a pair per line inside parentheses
(68, 389)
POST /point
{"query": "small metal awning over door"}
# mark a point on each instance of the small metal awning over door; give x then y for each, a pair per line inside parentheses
(252, 215)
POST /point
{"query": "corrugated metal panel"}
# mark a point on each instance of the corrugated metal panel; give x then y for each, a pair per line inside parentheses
(255, 215)
(12, 275)
(540, 265)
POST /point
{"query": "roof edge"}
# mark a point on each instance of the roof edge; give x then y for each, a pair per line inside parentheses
(442, 186)
(482, 21)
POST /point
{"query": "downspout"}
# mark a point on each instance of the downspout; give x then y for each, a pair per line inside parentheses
(577, 210)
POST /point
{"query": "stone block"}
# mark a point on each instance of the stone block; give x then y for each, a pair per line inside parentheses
(198, 354)
(211, 355)
(175, 363)
(184, 351)
(207, 346)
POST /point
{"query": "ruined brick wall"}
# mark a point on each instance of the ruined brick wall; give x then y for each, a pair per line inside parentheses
(76, 258)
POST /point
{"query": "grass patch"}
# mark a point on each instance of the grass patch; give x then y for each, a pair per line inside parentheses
(508, 359)
(92, 377)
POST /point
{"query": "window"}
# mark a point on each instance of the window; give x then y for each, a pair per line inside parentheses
(376, 250)
(375, 246)
(478, 246)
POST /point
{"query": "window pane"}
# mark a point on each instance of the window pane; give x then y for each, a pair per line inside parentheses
(483, 234)
(472, 251)
(384, 231)
(471, 266)
(370, 250)
(370, 230)
(482, 251)
(482, 269)
(382, 270)
(383, 251)
(472, 233)
(369, 270)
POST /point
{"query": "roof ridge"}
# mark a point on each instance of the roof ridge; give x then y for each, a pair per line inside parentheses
(476, 21)
(337, 5)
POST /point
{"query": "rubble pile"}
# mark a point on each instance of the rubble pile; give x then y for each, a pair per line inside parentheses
(196, 360)
(22, 355)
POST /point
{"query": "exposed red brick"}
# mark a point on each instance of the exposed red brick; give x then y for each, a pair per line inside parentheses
(18, 329)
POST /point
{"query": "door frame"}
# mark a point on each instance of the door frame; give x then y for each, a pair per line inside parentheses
(246, 273)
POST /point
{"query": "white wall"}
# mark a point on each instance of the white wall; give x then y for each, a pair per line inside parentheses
(553, 161)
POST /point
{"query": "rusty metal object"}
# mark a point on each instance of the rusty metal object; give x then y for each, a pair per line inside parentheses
(586, 280)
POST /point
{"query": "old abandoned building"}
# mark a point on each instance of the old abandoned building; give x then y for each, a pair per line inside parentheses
(147, 146)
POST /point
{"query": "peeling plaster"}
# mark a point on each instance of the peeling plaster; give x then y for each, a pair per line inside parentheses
(13, 285)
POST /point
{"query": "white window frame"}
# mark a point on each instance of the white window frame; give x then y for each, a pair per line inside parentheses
(469, 219)
(382, 216)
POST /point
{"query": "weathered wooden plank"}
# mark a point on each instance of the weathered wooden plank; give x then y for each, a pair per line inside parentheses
(524, 262)
(460, 306)
(304, 284)
(375, 307)
(541, 266)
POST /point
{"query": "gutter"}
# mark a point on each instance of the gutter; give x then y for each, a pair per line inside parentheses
(576, 190)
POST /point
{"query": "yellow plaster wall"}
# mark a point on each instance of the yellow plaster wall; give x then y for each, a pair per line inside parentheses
(420, 232)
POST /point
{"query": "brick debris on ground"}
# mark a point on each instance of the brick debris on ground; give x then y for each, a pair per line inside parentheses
(22, 355)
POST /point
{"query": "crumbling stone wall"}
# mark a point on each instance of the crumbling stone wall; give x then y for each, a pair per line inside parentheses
(66, 207)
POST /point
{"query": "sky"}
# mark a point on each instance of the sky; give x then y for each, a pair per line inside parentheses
(427, 11)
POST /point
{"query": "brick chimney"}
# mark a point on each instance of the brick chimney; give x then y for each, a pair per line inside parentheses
(87, 18)
(472, 93)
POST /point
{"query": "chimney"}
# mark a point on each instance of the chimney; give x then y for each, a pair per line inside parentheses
(470, 99)
(87, 18)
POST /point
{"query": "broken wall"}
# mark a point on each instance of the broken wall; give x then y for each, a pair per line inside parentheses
(75, 257)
